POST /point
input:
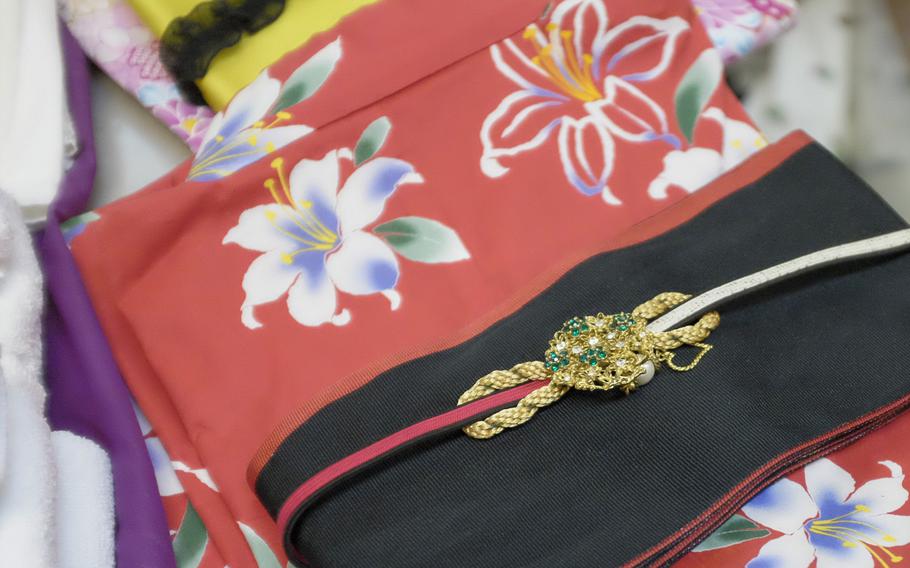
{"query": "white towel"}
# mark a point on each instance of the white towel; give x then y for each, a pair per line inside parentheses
(27, 488)
(85, 506)
(32, 106)
(45, 521)
(21, 299)
(27, 492)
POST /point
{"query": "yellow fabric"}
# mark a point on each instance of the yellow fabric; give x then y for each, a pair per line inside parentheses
(236, 66)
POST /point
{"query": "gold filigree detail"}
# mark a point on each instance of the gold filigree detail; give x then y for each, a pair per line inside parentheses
(591, 353)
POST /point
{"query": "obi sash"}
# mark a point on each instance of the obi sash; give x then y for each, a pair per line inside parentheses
(799, 368)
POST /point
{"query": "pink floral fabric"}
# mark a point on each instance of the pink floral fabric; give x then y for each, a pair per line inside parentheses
(113, 36)
(737, 27)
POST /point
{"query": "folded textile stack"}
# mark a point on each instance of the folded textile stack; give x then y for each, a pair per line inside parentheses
(390, 211)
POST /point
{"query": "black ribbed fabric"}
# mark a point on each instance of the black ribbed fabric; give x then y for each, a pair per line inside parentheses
(597, 479)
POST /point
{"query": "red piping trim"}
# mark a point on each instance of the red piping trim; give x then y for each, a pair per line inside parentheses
(294, 505)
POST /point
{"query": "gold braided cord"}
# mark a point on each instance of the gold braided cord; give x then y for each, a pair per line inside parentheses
(546, 395)
(501, 380)
(518, 414)
(660, 304)
(687, 335)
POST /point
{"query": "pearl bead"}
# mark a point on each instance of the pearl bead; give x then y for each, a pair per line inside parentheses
(647, 375)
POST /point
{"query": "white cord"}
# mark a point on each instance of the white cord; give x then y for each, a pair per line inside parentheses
(890, 242)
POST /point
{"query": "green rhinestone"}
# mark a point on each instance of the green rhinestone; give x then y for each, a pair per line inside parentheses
(593, 362)
(574, 332)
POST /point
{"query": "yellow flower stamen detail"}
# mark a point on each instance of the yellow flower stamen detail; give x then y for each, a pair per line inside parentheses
(316, 236)
(270, 185)
(279, 117)
(559, 60)
(224, 153)
(841, 528)
(278, 165)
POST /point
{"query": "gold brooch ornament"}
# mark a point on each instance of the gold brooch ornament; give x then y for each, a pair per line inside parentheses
(590, 353)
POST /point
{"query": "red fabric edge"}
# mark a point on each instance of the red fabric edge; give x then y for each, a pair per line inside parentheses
(750, 486)
(457, 415)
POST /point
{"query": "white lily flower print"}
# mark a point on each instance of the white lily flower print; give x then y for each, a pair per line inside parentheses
(576, 78)
(314, 239)
(311, 239)
(694, 167)
(239, 136)
(831, 521)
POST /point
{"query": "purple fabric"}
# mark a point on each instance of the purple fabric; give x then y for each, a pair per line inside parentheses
(86, 392)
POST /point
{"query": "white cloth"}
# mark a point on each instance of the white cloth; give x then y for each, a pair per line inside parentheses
(21, 299)
(32, 105)
(27, 488)
(45, 521)
(20, 318)
(27, 492)
(85, 506)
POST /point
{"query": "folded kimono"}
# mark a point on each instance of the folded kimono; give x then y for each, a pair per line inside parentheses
(332, 207)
